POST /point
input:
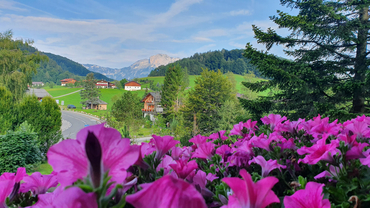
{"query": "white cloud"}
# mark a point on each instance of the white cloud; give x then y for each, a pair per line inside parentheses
(240, 12)
(11, 5)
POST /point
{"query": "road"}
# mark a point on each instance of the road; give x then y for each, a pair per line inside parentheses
(73, 122)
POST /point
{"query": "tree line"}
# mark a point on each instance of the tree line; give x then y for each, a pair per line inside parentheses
(223, 60)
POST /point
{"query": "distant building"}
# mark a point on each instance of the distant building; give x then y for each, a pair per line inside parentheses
(64, 82)
(105, 84)
(39, 93)
(152, 104)
(37, 84)
(132, 86)
(101, 84)
(97, 105)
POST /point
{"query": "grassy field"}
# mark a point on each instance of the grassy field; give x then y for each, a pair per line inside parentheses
(238, 78)
(58, 90)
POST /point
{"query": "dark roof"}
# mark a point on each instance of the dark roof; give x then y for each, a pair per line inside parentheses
(98, 102)
(40, 93)
(157, 96)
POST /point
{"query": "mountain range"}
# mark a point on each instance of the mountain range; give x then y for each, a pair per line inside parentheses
(139, 69)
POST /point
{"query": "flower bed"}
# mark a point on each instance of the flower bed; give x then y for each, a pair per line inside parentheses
(298, 164)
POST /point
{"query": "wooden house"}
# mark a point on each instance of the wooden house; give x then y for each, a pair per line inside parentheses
(97, 105)
(64, 82)
(152, 104)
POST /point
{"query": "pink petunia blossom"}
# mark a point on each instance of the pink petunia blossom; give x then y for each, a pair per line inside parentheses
(6, 188)
(366, 159)
(68, 158)
(184, 168)
(198, 140)
(238, 130)
(333, 172)
(165, 164)
(261, 141)
(163, 145)
(356, 151)
(310, 197)
(16, 177)
(211, 177)
(70, 197)
(273, 120)
(267, 166)
(204, 151)
(319, 151)
(38, 184)
(249, 194)
(289, 126)
(200, 179)
(167, 192)
(325, 129)
(244, 129)
(177, 152)
(224, 151)
(360, 129)
(218, 135)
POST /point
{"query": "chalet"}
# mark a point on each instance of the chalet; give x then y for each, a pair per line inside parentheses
(105, 84)
(39, 93)
(101, 84)
(64, 82)
(37, 84)
(152, 104)
(132, 86)
(97, 105)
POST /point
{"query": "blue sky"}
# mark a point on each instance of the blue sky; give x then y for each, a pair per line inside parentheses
(116, 33)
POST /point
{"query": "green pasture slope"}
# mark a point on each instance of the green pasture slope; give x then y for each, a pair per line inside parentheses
(238, 78)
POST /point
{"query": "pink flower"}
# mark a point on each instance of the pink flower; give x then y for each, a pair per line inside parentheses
(16, 177)
(198, 140)
(356, 151)
(347, 139)
(211, 177)
(273, 120)
(167, 192)
(184, 168)
(177, 152)
(267, 166)
(9, 185)
(70, 197)
(249, 194)
(224, 151)
(6, 188)
(68, 158)
(325, 129)
(261, 142)
(366, 159)
(311, 197)
(218, 135)
(165, 164)
(333, 172)
(289, 126)
(243, 129)
(200, 179)
(360, 129)
(204, 151)
(319, 151)
(163, 145)
(38, 183)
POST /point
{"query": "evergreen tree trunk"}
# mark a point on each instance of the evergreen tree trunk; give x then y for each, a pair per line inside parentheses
(360, 64)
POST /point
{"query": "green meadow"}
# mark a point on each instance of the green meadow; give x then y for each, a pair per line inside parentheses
(108, 94)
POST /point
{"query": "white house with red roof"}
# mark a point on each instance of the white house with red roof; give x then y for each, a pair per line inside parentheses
(132, 86)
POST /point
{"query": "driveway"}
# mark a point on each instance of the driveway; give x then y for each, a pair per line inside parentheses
(73, 122)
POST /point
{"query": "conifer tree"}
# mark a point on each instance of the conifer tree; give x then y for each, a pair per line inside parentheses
(328, 73)
(90, 93)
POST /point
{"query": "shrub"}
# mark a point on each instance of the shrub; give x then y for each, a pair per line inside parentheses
(19, 149)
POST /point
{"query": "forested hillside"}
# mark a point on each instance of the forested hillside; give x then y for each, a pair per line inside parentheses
(51, 72)
(224, 60)
(74, 67)
(59, 68)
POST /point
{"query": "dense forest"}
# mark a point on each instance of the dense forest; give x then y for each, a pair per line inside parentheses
(74, 67)
(225, 60)
(58, 68)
